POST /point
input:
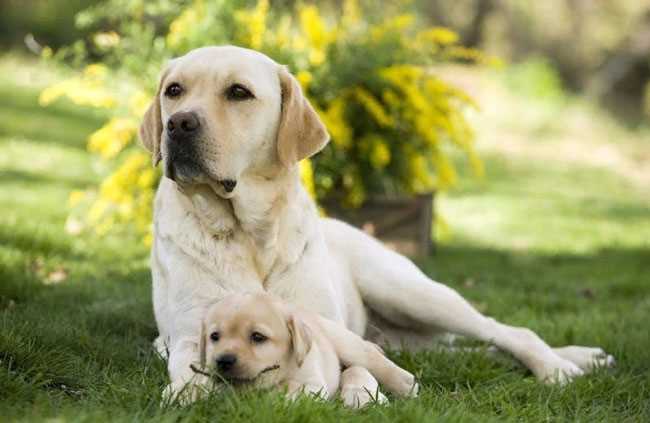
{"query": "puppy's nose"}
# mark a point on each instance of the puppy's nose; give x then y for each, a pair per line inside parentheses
(228, 184)
(226, 362)
(182, 124)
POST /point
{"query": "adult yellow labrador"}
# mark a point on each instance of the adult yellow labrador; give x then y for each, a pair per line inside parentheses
(230, 125)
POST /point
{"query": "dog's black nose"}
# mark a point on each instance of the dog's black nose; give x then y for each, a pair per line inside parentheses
(228, 184)
(182, 124)
(226, 362)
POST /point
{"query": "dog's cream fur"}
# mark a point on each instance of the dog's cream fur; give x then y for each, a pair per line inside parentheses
(266, 234)
(298, 350)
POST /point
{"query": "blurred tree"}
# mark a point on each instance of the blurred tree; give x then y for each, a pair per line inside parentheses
(598, 47)
(368, 71)
(50, 21)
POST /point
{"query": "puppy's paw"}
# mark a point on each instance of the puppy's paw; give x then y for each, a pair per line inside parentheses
(359, 397)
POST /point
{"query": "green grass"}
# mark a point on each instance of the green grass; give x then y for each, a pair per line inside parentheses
(560, 248)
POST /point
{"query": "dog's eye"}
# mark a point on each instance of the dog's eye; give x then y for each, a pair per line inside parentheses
(214, 336)
(238, 92)
(173, 90)
(258, 338)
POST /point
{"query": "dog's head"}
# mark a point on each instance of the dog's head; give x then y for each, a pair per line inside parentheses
(224, 112)
(252, 338)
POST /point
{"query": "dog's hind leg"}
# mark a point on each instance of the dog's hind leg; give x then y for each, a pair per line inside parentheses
(392, 286)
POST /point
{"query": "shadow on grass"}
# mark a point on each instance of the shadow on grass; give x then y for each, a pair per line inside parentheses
(601, 276)
(39, 179)
(60, 123)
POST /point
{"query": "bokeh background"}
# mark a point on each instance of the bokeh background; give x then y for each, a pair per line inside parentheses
(528, 120)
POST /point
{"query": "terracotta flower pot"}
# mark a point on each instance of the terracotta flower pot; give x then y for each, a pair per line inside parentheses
(402, 223)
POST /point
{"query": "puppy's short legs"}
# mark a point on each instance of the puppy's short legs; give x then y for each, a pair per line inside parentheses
(309, 378)
(186, 385)
(359, 387)
(355, 351)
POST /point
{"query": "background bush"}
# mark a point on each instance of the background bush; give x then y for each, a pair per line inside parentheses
(367, 67)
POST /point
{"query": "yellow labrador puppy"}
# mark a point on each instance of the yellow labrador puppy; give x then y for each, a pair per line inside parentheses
(230, 126)
(255, 339)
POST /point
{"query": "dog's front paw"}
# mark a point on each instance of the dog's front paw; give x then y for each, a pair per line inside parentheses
(403, 383)
(557, 371)
(359, 397)
(587, 358)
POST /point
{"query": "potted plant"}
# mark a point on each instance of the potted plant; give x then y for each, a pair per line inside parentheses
(368, 72)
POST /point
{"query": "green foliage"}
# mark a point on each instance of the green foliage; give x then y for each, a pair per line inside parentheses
(368, 68)
(49, 21)
(537, 78)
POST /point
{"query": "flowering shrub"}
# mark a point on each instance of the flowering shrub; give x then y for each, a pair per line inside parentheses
(391, 119)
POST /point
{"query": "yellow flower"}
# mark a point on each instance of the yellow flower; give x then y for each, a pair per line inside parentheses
(351, 13)
(106, 40)
(95, 70)
(307, 176)
(253, 22)
(334, 119)
(374, 107)
(85, 90)
(445, 172)
(305, 78)
(393, 25)
(316, 32)
(421, 179)
(110, 139)
(184, 23)
(138, 103)
(436, 35)
(47, 53)
(380, 154)
(355, 192)
(75, 197)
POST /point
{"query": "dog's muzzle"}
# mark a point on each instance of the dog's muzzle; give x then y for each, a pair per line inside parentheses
(182, 130)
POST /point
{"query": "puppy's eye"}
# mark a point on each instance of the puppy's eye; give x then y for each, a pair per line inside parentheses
(238, 92)
(173, 90)
(258, 338)
(214, 336)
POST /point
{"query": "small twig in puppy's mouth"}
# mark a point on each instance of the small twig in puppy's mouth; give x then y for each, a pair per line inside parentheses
(201, 372)
(268, 369)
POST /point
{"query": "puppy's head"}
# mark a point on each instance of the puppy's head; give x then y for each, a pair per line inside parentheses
(251, 338)
(224, 112)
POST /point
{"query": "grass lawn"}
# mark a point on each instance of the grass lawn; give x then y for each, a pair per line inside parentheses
(561, 247)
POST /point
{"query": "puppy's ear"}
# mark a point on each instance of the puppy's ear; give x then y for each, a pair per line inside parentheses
(202, 346)
(300, 338)
(301, 133)
(151, 126)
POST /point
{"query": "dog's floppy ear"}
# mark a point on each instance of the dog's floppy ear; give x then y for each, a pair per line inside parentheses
(151, 126)
(301, 132)
(202, 341)
(300, 338)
